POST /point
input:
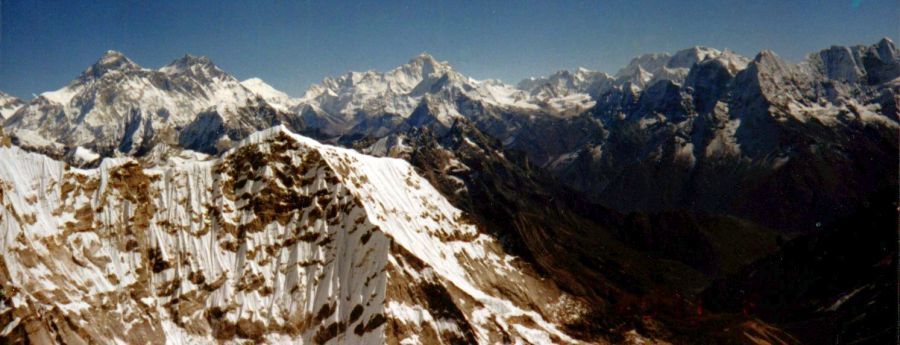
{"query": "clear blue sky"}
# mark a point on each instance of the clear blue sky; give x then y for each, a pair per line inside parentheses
(45, 44)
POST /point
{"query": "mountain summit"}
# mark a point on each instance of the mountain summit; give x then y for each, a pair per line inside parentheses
(111, 61)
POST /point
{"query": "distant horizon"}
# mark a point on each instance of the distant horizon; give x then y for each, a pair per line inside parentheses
(438, 58)
(44, 44)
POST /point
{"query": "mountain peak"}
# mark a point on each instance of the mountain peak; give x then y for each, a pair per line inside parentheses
(702, 49)
(424, 57)
(652, 61)
(189, 62)
(189, 59)
(112, 54)
(886, 48)
(686, 58)
(266, 91)
(110, 61)
(733, 61)
(255, 81)
(427, 64)
(766, 55)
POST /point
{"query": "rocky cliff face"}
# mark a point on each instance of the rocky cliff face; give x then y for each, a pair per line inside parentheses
(281, 239)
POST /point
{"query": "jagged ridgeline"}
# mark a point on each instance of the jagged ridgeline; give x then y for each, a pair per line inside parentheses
(281, 239)
(578, 207)
(117, 107)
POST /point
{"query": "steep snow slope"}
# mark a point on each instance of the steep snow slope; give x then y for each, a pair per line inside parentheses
(281, 239)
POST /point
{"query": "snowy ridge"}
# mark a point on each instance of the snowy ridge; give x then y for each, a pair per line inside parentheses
(397, 91)
(116, 106)
(649, 68)
(349, 100)
(567, 84)
(280, 240)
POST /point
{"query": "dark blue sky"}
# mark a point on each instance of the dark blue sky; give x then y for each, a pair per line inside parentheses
(45, 44)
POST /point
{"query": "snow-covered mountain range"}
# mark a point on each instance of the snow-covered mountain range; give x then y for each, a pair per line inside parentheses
(115, 106)
(770, 120)
(180, 204)
(122, 105)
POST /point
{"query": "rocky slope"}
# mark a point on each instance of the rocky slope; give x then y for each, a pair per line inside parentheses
(281, 239)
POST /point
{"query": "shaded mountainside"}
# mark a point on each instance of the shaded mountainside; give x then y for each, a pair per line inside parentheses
(789, 146)
(835, 286)
(638, 271)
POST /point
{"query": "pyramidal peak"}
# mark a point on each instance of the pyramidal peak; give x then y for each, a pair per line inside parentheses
(886, 43)
(425, 65)
(110, 61)
(769, 61)
(887, 48)
(425, 58)
(765, 55)
(111, 55)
